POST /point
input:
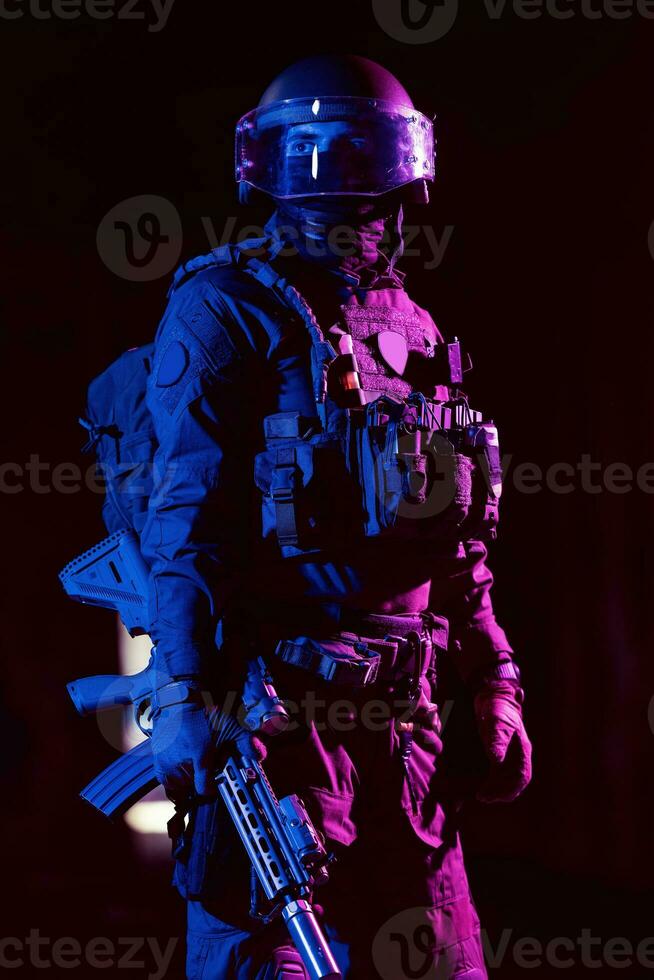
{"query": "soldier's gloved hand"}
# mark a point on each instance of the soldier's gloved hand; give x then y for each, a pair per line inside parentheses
(498, 709)
(185, 739)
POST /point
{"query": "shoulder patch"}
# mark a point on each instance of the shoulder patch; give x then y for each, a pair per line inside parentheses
(193, 347)
(211, 334)
(173, 364)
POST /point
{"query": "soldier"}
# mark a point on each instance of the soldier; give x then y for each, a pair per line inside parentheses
(325, 497)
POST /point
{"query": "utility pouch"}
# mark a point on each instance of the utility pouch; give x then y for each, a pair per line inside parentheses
(482, 443)
(307, 497)
(413, 481)
(402, 468)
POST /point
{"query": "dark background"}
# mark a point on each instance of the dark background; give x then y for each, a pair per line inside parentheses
(545, 173)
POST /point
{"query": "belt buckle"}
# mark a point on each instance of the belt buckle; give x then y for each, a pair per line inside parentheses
(407, 646)
(371, 669)
(414, 655)
(361, 673)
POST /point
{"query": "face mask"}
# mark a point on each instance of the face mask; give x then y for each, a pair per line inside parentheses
(344, 237)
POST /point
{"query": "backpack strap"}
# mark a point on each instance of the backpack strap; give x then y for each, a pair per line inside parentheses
(96, 432)
(222, 255)
(322, 352)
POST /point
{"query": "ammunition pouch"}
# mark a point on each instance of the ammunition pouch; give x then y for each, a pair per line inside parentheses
(406, 469)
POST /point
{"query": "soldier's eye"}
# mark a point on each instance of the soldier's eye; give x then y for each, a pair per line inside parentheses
(301, 147)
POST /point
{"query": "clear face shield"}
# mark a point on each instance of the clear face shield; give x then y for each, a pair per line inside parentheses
(333, 146)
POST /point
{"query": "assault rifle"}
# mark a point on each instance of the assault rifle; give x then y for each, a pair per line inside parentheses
(286, 851)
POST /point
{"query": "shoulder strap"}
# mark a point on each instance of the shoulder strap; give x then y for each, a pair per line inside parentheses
(235, 254)
(222, 255)
(322, 352)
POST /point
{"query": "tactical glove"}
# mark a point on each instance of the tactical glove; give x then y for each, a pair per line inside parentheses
(185, 740)
(498, 709)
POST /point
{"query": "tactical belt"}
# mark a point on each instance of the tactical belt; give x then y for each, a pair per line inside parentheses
(360, 671)
(383, 648)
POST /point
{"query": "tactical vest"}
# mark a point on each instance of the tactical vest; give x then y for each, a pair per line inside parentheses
(393, 450)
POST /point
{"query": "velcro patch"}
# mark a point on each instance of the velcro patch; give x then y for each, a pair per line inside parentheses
(173, 364)
(212, 335)
(394, 350)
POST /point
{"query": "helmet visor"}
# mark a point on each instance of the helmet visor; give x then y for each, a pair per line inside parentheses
(333, 146)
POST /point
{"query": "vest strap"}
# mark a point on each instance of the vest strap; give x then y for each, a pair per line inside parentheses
(283, 486)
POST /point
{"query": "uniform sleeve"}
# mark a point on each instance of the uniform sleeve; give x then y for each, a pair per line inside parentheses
(198, 399)
(461, 590)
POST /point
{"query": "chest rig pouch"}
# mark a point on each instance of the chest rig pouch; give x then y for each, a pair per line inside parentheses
(308, 498)
(394, 449)
(426, 469)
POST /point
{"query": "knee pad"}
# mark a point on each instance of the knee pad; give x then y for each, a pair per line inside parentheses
(285, 964)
